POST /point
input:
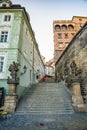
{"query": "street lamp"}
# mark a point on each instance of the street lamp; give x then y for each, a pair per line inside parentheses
(24, 70)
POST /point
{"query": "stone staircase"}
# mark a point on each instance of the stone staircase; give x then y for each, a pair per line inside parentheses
(46, 98)
(50, 80)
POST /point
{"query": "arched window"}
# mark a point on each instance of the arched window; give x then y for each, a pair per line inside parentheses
(64, 27)
(57, 27)
(70, 27)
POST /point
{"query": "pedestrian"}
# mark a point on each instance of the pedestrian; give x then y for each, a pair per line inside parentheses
(43, 78)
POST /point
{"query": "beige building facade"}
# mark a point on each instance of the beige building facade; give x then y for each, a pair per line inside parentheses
(64, 31)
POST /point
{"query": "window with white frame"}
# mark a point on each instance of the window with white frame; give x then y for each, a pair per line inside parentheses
(4, 36)
(7, 18)
(1, 63)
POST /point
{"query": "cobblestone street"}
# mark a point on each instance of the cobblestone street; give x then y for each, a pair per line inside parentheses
(76, 121)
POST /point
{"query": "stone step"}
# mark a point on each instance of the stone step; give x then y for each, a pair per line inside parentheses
(44, 103)
(45, 109)
(48, 93)
(46, 99)
(44, 112)
(47, 106)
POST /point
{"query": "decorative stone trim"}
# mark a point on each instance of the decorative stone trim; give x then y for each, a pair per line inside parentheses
(11, 99)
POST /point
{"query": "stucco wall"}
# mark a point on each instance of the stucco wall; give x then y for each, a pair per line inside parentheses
(21, 48)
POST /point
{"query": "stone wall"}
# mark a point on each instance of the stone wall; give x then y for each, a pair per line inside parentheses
(77, 51)
(71, 67)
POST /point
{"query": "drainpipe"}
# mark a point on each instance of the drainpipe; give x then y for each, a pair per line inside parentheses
(33, 64)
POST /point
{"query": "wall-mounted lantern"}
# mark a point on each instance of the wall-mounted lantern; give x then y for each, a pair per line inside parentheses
(24, 70)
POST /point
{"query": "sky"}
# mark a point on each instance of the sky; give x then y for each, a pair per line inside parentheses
(44, 12)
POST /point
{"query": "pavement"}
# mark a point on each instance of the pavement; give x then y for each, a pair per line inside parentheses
(75, 121)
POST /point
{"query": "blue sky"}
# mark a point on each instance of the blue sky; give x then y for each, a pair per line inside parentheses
(44, 12)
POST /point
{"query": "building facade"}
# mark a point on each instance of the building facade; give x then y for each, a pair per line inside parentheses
(18, 43)
(50, 68)
(64, 31)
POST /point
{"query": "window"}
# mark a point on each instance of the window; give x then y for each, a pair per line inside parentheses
(4, 36)
(4, 5)
(57, 27)
(1, 63)
(80, 20)
(64, 27)
(59, 36)
(7, 18)
(70, 27)
(66, 36)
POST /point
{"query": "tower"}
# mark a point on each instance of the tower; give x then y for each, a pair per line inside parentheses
(64, 31)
